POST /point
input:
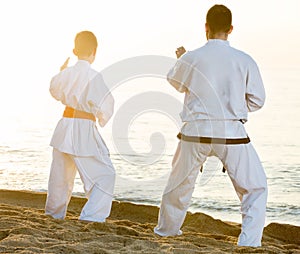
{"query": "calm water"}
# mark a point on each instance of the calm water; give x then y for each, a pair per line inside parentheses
(26, 156)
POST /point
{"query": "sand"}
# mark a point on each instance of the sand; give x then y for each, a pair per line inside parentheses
(24, 228)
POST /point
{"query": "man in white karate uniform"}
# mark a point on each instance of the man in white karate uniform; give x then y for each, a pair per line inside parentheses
(76, 142)
(221, 85)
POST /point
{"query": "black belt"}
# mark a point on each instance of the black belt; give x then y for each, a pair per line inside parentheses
(207, 140)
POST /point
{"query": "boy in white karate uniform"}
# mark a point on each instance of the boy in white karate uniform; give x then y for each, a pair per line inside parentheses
(76, 142)
(221, 86)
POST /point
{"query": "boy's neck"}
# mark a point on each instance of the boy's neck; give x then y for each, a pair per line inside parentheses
(89, 59)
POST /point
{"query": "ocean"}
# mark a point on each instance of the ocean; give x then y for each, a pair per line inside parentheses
(142, 141)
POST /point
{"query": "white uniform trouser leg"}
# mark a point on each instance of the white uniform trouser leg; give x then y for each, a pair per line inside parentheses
(246, 173)
(186, 165)
(249, 180)
(98, 177)
(60, 184)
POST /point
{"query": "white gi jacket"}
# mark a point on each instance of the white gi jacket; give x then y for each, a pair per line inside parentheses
(215, 102)
(81, 88)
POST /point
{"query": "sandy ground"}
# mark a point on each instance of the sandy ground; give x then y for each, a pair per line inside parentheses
(25, 229)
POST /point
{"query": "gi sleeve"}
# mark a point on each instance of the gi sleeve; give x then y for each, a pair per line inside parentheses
(255, 91)
(100, 100)
(58, 84)
(180, 75)
(55, 87)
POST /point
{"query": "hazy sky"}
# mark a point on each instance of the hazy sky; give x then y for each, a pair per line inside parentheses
(37, 36)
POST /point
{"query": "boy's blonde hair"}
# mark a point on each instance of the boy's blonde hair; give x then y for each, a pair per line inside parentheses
(85, 43)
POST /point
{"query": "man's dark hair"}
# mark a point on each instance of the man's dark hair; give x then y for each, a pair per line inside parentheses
(85, 43)
(219, 18)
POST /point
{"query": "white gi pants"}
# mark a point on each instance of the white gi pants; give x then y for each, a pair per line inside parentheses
(98, 177)
(246, 173)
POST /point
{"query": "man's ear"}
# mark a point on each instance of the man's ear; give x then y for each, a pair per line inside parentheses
(230, 30)
(206, 28)
(75, 52)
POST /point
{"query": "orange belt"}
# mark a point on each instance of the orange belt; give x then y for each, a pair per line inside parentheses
(73, 113)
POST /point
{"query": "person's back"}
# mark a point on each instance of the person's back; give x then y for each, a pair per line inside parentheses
(76, 142)
(221, 85)
(72, 82)
(82, 88)
(217, 77)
